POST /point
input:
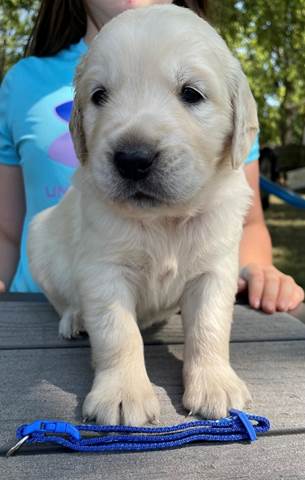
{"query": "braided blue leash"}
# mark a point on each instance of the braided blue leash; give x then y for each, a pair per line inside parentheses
(237, 427)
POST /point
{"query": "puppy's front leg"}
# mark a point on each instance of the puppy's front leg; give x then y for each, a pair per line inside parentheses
(121, 391)
(211, 385)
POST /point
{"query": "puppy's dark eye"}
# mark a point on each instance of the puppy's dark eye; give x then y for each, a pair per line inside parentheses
(190, 95)
(100, 96)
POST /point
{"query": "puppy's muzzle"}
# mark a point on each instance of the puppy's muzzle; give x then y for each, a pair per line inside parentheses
(135, 162)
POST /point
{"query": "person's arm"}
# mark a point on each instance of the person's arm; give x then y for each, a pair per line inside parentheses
(268, 288)
(12, 210)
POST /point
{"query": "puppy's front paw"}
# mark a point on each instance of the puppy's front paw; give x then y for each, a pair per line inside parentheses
(119, 397)
(212, 391)
(70, 325)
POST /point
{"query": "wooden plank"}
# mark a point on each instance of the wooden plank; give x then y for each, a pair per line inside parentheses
(299, 312)
(23, 297)
(52, 383)
(269, 458)
(27, 324)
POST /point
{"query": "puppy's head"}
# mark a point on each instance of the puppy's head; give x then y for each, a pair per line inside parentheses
(160, 107)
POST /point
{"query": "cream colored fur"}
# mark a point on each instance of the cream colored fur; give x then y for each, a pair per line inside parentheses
(117, 265)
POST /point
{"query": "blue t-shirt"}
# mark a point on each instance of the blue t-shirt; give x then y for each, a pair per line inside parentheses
(35, 106)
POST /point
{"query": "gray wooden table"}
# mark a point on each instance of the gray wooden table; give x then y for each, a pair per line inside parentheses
(43, 376)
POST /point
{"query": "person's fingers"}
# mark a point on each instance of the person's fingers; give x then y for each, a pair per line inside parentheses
(254, 275)
(297, 297)
(2, 287)
(286, 292)
(271, 290)
(242, 285)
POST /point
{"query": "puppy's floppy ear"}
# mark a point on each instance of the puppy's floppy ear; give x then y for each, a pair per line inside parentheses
(76, 120)
(245, 121)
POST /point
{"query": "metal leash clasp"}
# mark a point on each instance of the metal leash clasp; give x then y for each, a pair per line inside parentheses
(16, 447)
(45, 427)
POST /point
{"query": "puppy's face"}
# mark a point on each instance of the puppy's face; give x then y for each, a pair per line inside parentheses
(161, 105)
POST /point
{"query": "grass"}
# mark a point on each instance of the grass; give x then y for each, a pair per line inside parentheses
(287, 228)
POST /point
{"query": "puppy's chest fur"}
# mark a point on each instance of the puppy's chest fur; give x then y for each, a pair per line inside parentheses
(165, 258)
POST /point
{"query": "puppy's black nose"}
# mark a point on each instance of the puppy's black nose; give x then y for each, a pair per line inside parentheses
(134, 163)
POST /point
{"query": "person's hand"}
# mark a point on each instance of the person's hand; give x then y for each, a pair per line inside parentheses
(2, 287)
(269, 289)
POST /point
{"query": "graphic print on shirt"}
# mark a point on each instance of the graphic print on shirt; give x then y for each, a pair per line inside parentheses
(62, 150)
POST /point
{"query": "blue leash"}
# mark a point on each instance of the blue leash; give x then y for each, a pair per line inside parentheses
(118, 438)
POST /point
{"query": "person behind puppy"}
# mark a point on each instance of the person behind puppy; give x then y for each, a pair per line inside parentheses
(37, 158)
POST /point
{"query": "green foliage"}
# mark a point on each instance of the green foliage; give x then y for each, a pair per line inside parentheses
(267, 37)
(269, 40)
(16, 19)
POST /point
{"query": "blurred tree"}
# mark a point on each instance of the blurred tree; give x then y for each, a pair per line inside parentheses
(269, 40)
(16, 17)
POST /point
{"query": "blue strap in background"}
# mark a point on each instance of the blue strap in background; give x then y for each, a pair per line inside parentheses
(237, 427)
(289, 196)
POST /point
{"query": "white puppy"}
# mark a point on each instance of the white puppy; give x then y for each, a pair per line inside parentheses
(163, 118)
